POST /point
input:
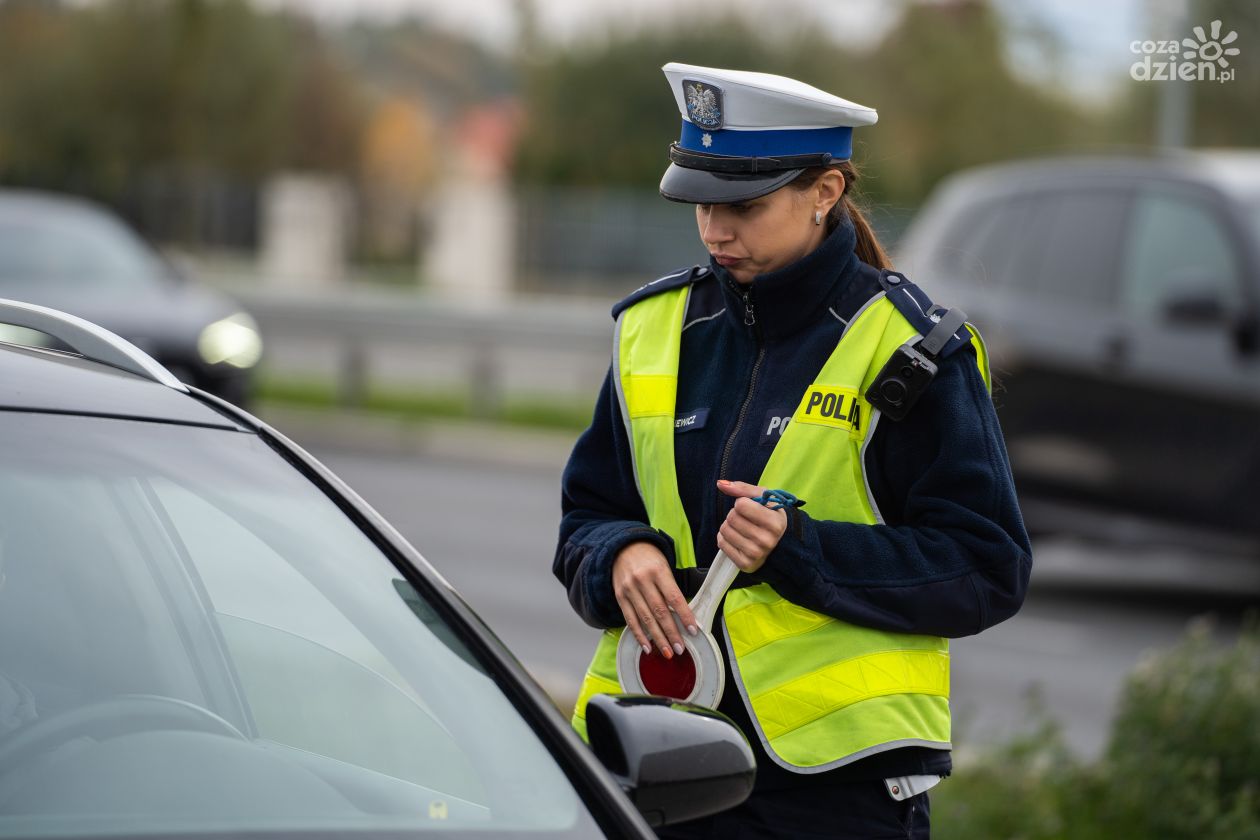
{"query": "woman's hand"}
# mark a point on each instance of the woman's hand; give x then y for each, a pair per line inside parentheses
(646, 592)
(751, 530)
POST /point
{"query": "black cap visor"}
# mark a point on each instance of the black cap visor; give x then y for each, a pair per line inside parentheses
(699, 186)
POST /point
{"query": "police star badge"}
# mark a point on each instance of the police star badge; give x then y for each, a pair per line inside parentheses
(704, 104)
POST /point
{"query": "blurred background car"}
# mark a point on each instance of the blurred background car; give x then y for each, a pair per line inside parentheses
(203, 630)
(1120, 297)
(77, 257)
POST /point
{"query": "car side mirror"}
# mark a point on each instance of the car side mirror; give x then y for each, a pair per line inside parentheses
(675, 761)
(1197, 308)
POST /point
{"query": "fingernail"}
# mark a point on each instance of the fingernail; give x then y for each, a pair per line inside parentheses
(723, 481)
(678, 648)
(647, 651)
(693, 629)
(666, 652)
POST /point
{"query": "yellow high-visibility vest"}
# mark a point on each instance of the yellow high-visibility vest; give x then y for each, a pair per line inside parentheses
(821, 692)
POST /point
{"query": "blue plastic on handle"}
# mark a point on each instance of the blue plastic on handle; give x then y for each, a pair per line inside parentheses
(777, 499)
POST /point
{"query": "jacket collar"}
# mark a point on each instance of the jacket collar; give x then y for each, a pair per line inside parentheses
(787, 300)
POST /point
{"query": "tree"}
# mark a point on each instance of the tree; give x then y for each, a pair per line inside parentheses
(91, 97)
(601, 113)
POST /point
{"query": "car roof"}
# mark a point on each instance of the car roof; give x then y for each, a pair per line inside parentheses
(41, 380)
(29, 198)
(1235, 171)
(23, 202)
(1232, 171)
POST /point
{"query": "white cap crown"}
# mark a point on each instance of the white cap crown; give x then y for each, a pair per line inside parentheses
(762, 101)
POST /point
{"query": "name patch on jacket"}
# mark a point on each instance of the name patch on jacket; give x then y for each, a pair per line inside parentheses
(774, 424)
(689, 421)
(828, 405)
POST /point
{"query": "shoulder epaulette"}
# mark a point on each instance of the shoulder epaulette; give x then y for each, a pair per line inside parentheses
(673, 280)
(917, 308)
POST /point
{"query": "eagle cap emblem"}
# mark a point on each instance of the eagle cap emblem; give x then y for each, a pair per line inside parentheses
(704, 104)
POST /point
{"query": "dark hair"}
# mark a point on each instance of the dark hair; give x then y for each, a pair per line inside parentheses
(868, 248)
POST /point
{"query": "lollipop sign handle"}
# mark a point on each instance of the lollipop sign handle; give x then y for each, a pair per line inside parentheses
(719, 578)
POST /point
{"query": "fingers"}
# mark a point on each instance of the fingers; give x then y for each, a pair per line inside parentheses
(754, 540)
(751, 514)
(682, 609)
(742, 551)
(759, 524)
(739, 488)
(655, 624)
(631, 614)
(646, 591)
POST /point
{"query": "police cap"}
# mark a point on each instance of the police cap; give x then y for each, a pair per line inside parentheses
(747, 134)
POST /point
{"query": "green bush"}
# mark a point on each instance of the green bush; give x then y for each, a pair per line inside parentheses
(1183, 760)
(1185, 749)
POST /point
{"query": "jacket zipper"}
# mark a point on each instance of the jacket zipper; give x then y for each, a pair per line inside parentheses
(750, 320)
(750, 317)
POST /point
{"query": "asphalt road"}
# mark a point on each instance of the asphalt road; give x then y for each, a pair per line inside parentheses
(491, 531)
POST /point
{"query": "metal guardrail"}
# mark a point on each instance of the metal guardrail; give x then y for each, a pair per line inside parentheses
(360, 319)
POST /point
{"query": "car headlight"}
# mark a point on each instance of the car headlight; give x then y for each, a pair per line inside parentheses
(233, 340)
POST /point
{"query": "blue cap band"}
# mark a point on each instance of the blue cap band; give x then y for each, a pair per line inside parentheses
(768, 143)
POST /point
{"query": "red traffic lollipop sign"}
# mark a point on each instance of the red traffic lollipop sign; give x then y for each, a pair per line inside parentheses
(697, 675)
(674, 677)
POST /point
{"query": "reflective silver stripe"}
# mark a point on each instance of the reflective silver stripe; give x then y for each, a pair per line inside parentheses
(686, 306)
(691, 324)
(913, 300)
(837, 316)
(866, 482)
(858, 314)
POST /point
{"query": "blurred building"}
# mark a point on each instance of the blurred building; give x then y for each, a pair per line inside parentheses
(472, 251)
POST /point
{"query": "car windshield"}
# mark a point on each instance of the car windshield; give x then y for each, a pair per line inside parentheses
(72, 249)
(195, 639)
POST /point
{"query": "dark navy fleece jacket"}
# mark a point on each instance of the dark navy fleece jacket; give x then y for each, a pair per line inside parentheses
(951, 557)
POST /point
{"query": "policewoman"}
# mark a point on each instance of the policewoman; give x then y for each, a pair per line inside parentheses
(795, 359)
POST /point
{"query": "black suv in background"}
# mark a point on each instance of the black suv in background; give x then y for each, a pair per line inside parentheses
(1120, 298)
(77, 257)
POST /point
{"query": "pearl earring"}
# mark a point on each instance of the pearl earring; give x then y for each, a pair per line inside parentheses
(818, 217)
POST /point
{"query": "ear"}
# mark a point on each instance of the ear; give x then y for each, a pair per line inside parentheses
(830, 187)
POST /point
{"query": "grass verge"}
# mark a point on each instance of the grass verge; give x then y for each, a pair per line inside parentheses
(419, 404)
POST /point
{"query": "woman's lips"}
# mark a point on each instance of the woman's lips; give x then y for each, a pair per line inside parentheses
(725, 261)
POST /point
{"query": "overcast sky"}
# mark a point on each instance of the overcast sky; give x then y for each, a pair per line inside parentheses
(494, 20)
(1097, 33)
